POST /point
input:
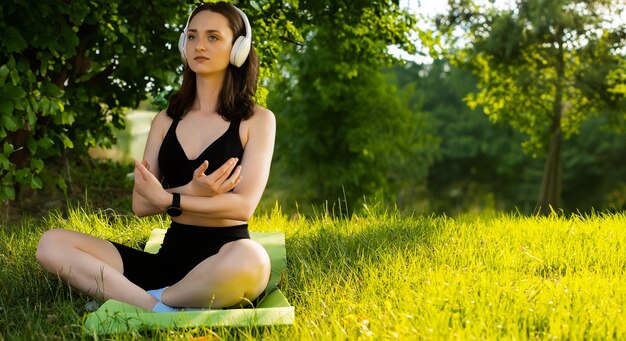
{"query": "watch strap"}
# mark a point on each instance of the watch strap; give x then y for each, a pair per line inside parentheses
(176, 200)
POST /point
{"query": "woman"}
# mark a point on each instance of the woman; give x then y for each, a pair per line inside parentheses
(211, 126)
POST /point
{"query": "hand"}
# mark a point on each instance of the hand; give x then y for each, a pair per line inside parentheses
(149, 187)
(216, 183)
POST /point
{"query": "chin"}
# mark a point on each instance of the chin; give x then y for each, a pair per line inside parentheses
(205, 70)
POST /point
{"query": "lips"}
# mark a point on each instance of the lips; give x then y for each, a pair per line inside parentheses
(200, 58)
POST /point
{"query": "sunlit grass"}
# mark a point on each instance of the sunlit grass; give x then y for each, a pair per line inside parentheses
(379, 274)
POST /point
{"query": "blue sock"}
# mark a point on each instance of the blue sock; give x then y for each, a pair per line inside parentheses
(161, 307)
(156, 293)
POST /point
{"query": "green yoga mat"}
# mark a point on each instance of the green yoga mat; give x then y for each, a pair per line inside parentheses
(274, 309)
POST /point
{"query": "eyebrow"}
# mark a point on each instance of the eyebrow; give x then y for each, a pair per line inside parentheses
(209, 31)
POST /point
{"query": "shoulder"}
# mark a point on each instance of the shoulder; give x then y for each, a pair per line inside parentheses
(262, 124)
(161, 118)
(261, 116)
(161, 122)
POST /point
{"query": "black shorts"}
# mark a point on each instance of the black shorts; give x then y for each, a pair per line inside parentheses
(184, 247)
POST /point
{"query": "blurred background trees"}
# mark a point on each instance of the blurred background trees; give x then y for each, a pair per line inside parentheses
(543, 67)
(346, 132)
(521, 108)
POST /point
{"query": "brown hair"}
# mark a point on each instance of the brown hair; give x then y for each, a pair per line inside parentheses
(236, 98)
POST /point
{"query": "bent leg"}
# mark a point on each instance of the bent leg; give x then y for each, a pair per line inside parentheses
(238, 273)
(90, 265)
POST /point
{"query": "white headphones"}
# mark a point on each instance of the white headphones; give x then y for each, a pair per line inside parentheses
(241, 46)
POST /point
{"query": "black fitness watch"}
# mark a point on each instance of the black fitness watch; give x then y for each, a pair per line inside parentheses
(175, 210)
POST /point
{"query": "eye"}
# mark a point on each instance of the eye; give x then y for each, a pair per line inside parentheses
(213, 37)
(191, 37)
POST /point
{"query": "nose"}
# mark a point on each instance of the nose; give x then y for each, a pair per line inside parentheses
(200, 46)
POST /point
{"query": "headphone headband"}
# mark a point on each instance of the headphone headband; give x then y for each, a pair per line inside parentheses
(240, 49)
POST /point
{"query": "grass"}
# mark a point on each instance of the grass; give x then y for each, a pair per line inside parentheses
(379, 274)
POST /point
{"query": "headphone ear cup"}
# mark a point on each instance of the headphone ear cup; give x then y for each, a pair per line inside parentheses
(181, 46)
(239, 52)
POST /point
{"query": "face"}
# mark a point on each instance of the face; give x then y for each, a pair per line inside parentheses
(209, 41)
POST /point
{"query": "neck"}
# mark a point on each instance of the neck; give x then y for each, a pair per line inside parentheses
(208, 89)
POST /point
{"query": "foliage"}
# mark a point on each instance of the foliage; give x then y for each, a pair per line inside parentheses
(344, 130)
(378, 274)
(594, 160)
(544, 68)
(69, 71)
(478, 164)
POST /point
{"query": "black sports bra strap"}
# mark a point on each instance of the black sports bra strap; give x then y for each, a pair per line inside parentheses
(174, 125)
(234, 125)
(171, 131)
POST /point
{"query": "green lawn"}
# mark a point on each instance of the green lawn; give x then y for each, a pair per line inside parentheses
(379, 275)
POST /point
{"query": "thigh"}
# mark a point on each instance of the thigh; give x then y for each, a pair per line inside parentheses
(60, 243)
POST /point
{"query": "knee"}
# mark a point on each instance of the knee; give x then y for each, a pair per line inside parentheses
(245, 260)
(48, 247)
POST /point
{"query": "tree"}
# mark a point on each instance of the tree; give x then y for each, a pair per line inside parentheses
(343, 127)
(544, 67)
(477, 164)
(69, 70)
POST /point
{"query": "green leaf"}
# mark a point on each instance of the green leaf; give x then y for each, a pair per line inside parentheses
(31, 117)
(12, 92)
(7, 193)
(20, 104)
(6, 106)
(8, 122)
(13, 40)
(62, 185)
(46, 142)
(67, 143)
(67, 118)
(7, 148)
(50, 89)
(22, 174)
(44, 104)
(4, 162)
(31, 144)
(4, 72)
(36, 164)
(35, 182)
(34, 103)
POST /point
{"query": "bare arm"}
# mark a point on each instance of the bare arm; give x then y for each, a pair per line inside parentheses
(160, 123)
(237, 205)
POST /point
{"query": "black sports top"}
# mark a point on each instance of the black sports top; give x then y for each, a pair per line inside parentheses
(177, 170)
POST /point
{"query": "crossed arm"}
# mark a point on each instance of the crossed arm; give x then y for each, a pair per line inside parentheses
(209, 195)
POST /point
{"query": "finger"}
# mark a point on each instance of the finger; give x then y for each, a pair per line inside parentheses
(146, 164)
(142, 169)
(233, 180)
(221, 174)
(237, 181)
(201, 169)
(138, 174)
